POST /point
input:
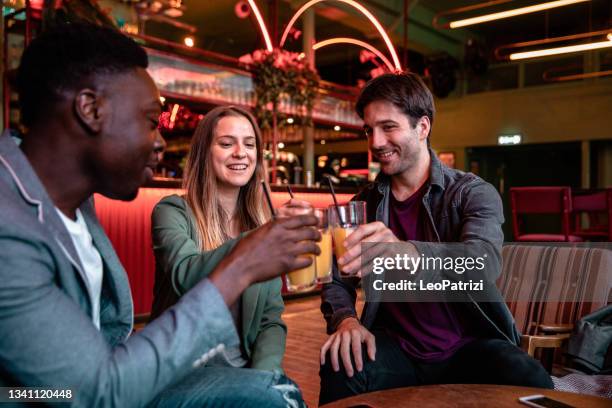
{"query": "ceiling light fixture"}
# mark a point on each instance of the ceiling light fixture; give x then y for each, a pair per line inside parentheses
(496, 16)
(523, 50)
(359, 8)
(560, 50)
(262, 25)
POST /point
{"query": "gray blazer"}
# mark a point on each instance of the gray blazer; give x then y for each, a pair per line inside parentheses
(47, 337)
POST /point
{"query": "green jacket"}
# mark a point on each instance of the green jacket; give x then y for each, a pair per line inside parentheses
(180, 265)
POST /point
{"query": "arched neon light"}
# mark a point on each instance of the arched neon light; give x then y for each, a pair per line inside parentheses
(345, 40)
(262, 25)
(360, 8)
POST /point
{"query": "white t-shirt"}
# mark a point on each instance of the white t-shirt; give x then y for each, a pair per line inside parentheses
(90, 259)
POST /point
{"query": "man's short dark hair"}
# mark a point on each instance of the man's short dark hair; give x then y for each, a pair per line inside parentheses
(69, 57)
(405, 90)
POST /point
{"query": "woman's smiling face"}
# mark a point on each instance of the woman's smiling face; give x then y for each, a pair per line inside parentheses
(234, 151)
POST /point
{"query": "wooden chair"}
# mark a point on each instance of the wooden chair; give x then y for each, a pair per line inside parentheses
(542, 200)
(549, 288)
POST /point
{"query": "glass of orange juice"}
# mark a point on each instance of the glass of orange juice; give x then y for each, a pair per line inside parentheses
(304, 279)
(323, 261)
(344, 220)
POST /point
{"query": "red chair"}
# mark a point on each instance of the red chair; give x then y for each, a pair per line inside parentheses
(542, 200)
(598, 208)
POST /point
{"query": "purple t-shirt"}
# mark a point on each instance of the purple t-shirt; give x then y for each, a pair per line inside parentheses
(428, 332)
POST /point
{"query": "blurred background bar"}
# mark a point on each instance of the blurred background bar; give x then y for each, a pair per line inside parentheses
(537, 122)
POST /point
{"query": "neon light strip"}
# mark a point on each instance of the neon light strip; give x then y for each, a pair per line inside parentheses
(513, 13)
(345, 40)
(262, 25)
(360, 8)
(560, 50)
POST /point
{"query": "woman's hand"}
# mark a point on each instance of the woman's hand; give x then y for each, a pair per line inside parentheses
(294, 207)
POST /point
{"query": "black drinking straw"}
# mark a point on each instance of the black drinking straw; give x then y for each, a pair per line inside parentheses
(268, 199)
(290, 191)
(331, 187)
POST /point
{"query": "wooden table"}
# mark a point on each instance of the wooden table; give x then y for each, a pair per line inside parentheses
(463, 395)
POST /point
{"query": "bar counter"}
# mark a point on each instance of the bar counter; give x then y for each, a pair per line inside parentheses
(128, 225)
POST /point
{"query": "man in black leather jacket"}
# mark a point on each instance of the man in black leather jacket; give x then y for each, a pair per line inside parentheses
(420, 205)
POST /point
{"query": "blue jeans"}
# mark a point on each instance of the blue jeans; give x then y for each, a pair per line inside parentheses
(231, 387)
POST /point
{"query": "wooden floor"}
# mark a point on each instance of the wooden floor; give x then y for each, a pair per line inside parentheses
(306, 334)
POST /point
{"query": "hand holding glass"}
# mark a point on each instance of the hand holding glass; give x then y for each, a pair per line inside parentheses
(343, 221)
(306, 278)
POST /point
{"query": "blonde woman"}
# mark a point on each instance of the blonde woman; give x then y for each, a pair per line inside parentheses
(191, 234)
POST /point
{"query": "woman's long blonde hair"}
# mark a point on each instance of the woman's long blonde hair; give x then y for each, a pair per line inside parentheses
(200, 183)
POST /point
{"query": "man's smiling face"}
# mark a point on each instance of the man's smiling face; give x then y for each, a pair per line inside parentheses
(393, 141)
